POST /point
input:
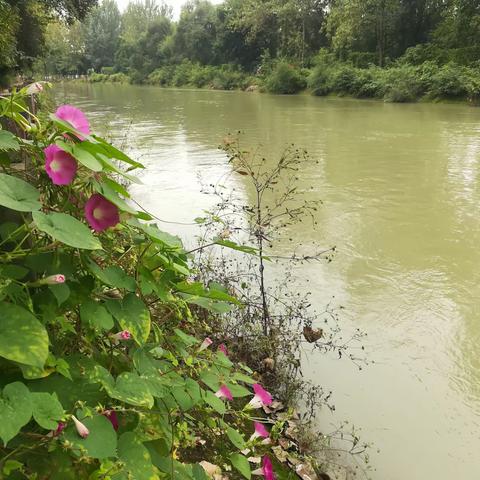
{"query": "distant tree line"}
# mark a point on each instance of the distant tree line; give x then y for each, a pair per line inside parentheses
(78, 36)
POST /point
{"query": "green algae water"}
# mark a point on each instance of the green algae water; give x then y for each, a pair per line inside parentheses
(401, 192)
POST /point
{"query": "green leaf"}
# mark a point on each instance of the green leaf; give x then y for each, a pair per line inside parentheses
(8, 141)
(215, 402)
(199, 473)
(238, 391)
(15, 410)
(132, 315)
(133, 389)
(235, 246)
(18, 195)
(236, 438)
(241, 377)
(110, 151)
(186, 339)
(113, 276)
(78, 151)
(136, 457)
(96, 315)
(101, 441)
(241, 464)
(61, 292)
(67, 230)
(23, 338)
(156, 234)
(11, 466)
(47, 410)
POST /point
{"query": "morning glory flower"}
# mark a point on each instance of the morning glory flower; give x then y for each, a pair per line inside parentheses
(112, 416)
(61, 167)
(74, 117)
(205, 344)
(224, 393)
(222, 348)
(260, 431)
(81, 428)
(100, 213)
(60, 427)
(266, 470)
(261, 398)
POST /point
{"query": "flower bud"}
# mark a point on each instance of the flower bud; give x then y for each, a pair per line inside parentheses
(52, 280)
(81, 428)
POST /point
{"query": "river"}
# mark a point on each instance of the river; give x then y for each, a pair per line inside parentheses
(401, 192)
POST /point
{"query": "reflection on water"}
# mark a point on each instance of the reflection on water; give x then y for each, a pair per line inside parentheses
(400, 185)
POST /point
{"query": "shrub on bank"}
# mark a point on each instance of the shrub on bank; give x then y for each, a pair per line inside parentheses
(285, 79)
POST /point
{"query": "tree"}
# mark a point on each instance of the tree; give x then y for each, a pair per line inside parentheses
(363, 25)
(102, 33)
(195, 36)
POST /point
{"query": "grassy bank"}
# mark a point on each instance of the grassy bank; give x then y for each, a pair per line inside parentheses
(401, 82)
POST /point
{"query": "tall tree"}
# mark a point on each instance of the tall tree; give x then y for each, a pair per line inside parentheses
(102, 34)
(363, 25)
(195, 36)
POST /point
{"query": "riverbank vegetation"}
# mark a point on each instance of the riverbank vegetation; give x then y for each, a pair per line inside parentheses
(397, 50)
(123, 355)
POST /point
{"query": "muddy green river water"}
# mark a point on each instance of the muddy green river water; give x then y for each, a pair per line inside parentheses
(401, 192)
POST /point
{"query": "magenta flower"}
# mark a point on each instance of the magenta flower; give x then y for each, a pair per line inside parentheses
(81, 428)
(112, 416)
(61, 167)
(224, 393)
(75, 117)
(100, 213)
(60, 427)
(266, 470)
(260, 431)
(205, 344)
(123, 335)
(261, 398)
(223, 348)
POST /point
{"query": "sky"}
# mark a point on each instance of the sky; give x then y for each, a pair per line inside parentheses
(176, 4)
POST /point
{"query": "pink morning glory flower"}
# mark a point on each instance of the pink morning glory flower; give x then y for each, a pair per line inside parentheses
(61, 167)
(224, 393)
(260, 431)
(100, 213)
(123, 335)
(222, 348)
(75, 117)
(60, 427)
(266, 470)
(81, 428)
(112, 416)
(261, 398)
(205, 344)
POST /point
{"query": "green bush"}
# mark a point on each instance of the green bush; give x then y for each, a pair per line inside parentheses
(450, 81)
(402, 84)
(319, 81)
(108, 70)
(285, 79)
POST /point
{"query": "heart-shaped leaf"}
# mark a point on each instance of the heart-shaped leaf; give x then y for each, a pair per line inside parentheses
(67, 230)
(18, 195)
(47, 410)
(23, 338)
(15, 410)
